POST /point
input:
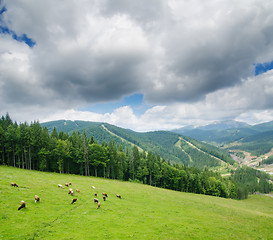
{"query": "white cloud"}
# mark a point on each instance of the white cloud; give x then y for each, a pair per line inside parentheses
(193, 60)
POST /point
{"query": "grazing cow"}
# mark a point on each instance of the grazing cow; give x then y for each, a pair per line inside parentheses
(14, 184)
(74, 200)
(104, 194)
(71, 192)
(96, 200)
(37, 198)
(60, 186)
(96, 194)
(23, 204)
(98, 205)
(70, 184)
(104, 198)
(66, 184)
(77, 190)
(93, 187)
(118, 196)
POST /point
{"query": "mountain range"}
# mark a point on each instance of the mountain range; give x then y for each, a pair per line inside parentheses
(169, 145)
(197, 146)
(257, 139)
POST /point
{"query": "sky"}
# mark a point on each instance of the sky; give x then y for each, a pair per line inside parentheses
(142, 65)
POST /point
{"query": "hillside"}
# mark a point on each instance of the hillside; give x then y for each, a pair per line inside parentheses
(166, 144)
(258, 144)
(144, 212)
(256, 139)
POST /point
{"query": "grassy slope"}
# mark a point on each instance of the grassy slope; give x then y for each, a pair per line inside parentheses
(145, 212)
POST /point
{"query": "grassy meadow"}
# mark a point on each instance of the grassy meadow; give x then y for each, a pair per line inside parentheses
(144, 212)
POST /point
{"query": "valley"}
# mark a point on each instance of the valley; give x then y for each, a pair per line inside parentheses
(253, 161)
(247, 144)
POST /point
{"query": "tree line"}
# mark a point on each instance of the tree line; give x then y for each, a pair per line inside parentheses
(269, 160)
(33, 147)
(249, 180)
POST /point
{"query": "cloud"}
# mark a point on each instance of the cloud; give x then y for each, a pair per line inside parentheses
(250, 102)
(192, 60)
(144, 12)
(210, 46)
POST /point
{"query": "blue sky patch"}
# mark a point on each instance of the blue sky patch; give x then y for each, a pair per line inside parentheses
(2, 10)
(20, 38)
(263, 67)
(135, 101)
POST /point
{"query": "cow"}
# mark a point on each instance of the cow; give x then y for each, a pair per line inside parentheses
(104, 194)
(23, 204)
(37, 198)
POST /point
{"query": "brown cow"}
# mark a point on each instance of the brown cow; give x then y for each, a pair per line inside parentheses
(118, 196)
(23, 204)
(98, 205)
(37, 198)
(104, 194)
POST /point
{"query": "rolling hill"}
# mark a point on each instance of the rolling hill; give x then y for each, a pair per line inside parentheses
(171, 146)
(144, 212)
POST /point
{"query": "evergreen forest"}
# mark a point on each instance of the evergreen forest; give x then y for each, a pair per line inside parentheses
(29, 146)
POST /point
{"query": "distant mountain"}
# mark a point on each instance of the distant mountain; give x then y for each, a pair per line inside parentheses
(263, 127)
(169, 145)
(257, 139)
(222, 125)
(257, 144)
(219, 125)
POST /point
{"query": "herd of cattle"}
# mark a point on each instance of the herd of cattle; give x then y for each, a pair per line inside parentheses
(71, 192)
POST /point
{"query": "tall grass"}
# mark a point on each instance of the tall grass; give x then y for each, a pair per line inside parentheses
(144, 212)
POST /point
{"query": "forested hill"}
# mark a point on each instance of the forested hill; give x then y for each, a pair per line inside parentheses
(256, 139)
(169, 145)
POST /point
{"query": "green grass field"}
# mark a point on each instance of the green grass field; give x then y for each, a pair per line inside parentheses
(144, 212)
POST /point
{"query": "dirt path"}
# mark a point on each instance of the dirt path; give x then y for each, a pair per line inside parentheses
(122, 139)
(178, 145)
